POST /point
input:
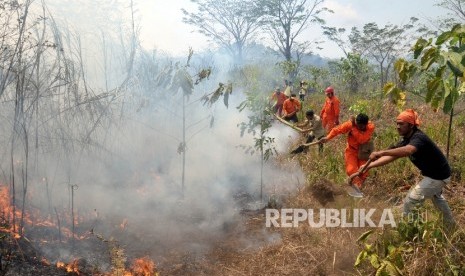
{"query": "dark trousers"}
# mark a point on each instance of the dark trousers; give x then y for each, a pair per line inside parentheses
(292, 118)
(310, 139)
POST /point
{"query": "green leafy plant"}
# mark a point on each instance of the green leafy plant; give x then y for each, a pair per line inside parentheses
(361, 106)
(260, 119)
(386, 258)
(443, 62)
(399, 250)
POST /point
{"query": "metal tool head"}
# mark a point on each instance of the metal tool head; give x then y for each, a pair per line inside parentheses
(354, 191)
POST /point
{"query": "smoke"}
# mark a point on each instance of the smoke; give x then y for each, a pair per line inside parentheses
(129, 186)
(120, 173)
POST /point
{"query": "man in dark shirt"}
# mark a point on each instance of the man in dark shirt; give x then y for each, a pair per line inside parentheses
(427, 157)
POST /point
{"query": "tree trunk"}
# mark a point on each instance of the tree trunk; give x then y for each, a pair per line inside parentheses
(183, 144)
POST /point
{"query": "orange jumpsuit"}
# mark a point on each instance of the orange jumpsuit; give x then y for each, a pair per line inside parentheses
(291, 106)
(330, 113)
(279, 98)
(355, 137)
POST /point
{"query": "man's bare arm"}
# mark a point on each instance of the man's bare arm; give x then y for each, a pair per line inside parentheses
(384, 157)
(396, 152)
(381, 161)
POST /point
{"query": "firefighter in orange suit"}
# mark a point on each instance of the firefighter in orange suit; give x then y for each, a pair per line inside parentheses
(359, 131)
(330, 113)
(290, 108)
(278, 97)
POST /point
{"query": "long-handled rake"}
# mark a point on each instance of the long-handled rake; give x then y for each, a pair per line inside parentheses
(288, 124)
(301, 147)
(354, 191)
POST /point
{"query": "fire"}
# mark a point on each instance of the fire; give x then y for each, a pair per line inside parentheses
(60, 264)
(5, 199)
(31, 217)
(140, 267)
(7, 210)
(144, 267)
(71, 267)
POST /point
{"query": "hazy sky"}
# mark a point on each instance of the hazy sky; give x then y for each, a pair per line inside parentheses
(162, 25)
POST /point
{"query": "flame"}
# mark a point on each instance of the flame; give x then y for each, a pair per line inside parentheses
(60, 264)
(71, 267)
(7, 210)
(143, 267)
(140, 267)
(5, 198)
(33, 217)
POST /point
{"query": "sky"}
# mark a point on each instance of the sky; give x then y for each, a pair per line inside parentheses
(162, 26)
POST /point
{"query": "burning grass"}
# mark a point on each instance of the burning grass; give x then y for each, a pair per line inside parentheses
(67, 249)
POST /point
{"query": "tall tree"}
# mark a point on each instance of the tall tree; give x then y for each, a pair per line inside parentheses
(456, 8)
(228, 23)
(382, 45)
(354, 71)
(353, 67)
(285, 21)
(338, 36)
(318, 76)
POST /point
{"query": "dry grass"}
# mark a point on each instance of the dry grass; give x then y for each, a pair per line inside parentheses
(257, 250)
(299, 251)
(252, 249)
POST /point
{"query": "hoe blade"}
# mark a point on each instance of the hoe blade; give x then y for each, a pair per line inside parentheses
(354, 191)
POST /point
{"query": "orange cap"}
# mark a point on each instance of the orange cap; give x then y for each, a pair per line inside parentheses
(409, 116)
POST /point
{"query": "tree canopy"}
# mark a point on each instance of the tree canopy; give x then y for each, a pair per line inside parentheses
(229, 23)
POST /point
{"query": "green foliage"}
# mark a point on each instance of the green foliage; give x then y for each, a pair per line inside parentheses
(289, 68)
(397, 96)
(382, 44)
(223, 90)
(260, 117)
(318, 76)
(445, 60)
(330, 166)
(385, 252)
(361, 106)
(391, 251)
(182, 81)
(406, 70)
(177, 78)
(354, 71)
(384, 257)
